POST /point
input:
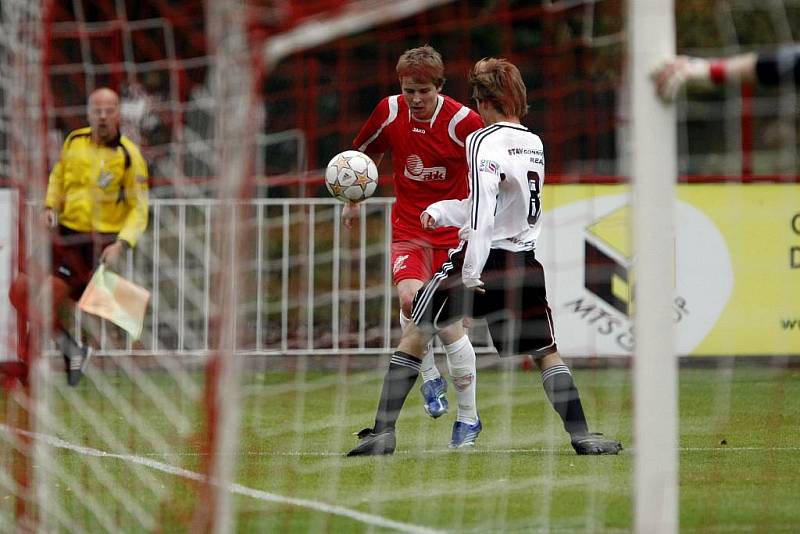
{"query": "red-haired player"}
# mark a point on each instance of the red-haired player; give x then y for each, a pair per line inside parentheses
(425, 132)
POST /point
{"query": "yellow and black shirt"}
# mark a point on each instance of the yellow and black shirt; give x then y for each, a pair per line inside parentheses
(100, 188)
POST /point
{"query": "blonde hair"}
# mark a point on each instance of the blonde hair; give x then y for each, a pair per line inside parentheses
(423, 64)
(499, 82)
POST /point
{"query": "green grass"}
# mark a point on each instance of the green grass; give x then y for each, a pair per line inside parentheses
(739, 461)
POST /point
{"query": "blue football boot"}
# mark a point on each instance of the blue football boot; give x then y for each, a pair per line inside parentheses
(433, 393)
(465, 434)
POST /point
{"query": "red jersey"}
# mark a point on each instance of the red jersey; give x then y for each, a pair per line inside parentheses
(429, 162)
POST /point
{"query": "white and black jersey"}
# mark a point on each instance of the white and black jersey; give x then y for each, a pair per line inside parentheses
(499, 225)
(506, 174)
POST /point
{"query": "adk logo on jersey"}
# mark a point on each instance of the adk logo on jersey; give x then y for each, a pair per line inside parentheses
(416, 170)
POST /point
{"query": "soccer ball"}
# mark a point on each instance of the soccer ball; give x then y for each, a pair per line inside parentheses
(351, 176)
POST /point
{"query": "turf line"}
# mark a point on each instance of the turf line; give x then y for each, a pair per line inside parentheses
(369, 519)
(470, 451)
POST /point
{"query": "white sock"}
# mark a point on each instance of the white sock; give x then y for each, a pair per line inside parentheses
(428, 367)
(461, 362)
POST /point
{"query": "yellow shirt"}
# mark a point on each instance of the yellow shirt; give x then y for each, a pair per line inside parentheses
(100, 188)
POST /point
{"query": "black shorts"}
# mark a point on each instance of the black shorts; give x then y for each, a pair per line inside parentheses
(75, 255)
(514, 305)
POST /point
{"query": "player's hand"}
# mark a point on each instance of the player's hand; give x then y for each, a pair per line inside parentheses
(111, 254)
(474, 284)
(349, 212)
(671, 76)
(50, 218)
(428, 222)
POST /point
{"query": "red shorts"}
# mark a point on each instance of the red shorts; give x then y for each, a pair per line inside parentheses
(416, 260)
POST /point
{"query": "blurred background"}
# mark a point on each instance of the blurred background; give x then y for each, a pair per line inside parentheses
(313, 101)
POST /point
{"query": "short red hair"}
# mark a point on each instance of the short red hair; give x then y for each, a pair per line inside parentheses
(498, 81)
(423, 64)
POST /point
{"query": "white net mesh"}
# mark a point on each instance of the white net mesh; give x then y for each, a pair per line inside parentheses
(270, 325)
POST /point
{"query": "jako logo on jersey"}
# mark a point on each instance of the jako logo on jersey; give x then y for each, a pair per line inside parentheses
(416, 170)
(399, 263)
(488, 165)
(418, 130)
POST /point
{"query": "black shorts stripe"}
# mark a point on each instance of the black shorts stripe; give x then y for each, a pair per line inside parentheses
(427, 291)
(425, 296)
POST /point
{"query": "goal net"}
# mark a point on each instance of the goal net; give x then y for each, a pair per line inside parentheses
(270, 325)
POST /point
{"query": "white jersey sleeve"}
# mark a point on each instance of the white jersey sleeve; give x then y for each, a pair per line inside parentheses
(484, 176)
(450, 212)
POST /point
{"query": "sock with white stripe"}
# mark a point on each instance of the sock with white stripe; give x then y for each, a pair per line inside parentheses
(564, 396)
(67, 344)
(461, 363)
(400, 377)
(428, 368)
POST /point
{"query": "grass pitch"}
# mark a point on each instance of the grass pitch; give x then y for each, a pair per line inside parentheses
(739, 457)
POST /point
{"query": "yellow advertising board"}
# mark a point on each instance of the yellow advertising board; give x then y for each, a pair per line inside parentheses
(737, 284)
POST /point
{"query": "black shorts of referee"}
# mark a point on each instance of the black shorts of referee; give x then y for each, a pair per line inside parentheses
(75, 255)
(514, 304)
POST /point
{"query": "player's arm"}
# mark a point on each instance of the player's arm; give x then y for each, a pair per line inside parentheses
(673, 75)
(446, 213)
(377, 157)
(137, 198)
(54, 198)
(767, 68)
(372, 141)
(352, 209)
(485, 185)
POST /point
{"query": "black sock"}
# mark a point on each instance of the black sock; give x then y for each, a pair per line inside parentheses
(564, 396)
(399, 379)
(67, 344)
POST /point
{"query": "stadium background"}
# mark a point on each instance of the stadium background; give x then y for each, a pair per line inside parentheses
(313, 102)
(309, 105)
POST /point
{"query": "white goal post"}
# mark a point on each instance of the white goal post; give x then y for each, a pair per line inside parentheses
(653, 156)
